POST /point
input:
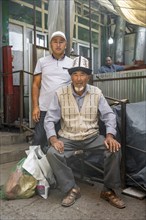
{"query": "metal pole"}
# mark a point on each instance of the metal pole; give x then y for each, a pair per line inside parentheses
(34, 28)
(67, 25)
(21, 100)
(90, 42)
(4, 41)
(1, 61)
(90, 35)
(123, 143)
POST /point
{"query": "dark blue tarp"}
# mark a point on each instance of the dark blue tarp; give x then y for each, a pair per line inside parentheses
(135, 137)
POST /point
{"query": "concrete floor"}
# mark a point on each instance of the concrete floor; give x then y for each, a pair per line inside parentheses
(88, 207)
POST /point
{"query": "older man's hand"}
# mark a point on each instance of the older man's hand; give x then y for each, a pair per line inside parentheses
(57, 144)
(111, 144)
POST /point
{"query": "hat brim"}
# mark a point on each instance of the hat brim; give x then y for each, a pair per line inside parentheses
(74, 69)
(58, 35)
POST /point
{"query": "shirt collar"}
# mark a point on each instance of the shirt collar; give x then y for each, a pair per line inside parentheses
(58, 59)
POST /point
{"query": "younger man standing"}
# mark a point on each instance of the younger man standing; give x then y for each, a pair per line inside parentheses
(50, 73)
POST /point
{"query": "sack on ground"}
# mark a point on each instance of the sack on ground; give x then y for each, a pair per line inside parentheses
(20, 184)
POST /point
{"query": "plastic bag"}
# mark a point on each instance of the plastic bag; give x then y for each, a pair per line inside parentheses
(38, 166)
(20, 184)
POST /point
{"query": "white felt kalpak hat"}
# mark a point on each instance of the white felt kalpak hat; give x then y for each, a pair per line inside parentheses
(58, 34)
(80, 63)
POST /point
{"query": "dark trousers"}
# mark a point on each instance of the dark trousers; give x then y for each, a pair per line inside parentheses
(39, 137)
(63, 172)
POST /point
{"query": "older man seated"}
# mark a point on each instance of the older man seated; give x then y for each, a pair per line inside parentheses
(78, 106)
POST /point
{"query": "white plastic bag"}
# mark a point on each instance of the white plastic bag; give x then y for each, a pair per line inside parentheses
(32, 166)
(44, 165)
(38, 166)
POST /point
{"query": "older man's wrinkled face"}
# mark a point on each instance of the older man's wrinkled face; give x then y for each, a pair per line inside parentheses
(79, 80)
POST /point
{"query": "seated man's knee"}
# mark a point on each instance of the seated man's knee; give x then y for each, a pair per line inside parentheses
(50, 151)
(116, 155)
